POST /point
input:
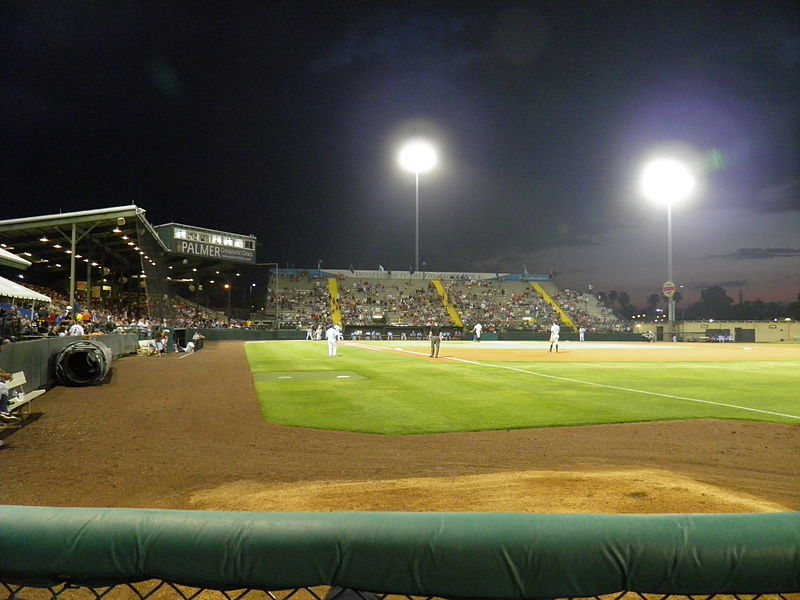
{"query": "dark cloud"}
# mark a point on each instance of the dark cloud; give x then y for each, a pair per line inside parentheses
(733, 283)
(394, 35)
(759, 253)
(779, 197)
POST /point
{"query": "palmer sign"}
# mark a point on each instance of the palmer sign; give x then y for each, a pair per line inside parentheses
(215, 252)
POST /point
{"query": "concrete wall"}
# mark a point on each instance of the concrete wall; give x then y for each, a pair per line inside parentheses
(697, 331)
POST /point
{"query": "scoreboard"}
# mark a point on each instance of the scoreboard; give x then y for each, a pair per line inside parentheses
(208, 243)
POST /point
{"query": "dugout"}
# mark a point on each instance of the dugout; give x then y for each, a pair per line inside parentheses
(176, 337)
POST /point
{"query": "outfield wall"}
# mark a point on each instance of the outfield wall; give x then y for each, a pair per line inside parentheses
(686, 331)
(741, 331)
(287, 334)
(450, 555)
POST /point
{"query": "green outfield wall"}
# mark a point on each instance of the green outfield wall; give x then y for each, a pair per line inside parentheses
(292, 334)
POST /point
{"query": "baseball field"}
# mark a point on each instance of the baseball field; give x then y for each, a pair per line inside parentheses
(397, 388)
(495, 426)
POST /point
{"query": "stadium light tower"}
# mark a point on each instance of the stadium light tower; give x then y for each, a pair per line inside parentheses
(668, 180)
(417, 156)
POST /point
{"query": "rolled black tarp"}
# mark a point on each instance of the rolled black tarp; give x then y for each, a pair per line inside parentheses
(83, 363)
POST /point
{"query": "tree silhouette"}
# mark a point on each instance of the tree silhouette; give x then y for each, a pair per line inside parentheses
(612, 297)
(794, 309)
(714, 303)
(653, 300)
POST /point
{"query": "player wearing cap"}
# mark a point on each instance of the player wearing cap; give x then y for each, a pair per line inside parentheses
(554, 332)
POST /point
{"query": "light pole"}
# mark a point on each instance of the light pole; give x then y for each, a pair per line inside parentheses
(227, 287)
(417, 156)
(667, 181)
(277, 293)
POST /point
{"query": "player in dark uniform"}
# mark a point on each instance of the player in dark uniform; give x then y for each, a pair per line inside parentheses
(435, 334)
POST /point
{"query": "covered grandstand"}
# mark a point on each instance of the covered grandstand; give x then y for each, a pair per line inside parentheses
(96, 258)
(113, 257)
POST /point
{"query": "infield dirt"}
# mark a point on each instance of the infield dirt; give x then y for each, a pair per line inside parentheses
(186, 432)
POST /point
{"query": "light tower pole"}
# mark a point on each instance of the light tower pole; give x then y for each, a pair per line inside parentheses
(417, 156)
(668, 180)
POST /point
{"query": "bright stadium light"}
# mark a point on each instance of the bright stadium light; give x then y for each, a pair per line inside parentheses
(417, 156)
(668, 180)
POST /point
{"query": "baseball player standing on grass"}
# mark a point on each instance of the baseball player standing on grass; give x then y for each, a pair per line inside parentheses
(435, 335)
(554, 331)
(477, 329)
(332, 335)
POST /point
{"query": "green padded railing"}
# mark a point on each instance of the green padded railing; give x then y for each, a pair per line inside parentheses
(455, 555)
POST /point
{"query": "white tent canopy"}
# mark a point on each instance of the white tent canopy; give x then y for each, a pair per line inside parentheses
(11, 289)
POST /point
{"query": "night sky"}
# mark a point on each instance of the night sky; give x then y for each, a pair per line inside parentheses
(283, 120)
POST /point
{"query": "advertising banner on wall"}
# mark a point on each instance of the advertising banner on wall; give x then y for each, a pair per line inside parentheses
(214, 252)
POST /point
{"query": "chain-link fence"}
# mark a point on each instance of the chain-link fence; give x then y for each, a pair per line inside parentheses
(162, 590)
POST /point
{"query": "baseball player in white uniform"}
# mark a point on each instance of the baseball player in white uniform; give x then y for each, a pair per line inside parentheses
(332, 335)
(554, 331)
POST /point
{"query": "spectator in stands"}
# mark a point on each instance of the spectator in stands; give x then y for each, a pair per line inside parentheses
(76, 329)
(5, 415)
(198, 339)
(161, 344)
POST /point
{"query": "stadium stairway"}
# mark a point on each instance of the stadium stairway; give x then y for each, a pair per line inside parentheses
(565, 318)
(333, 289)
(451, 311)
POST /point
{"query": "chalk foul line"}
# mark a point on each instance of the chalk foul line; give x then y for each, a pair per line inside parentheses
(589, 383)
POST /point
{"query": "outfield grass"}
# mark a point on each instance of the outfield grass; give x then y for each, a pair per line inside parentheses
(391, 392)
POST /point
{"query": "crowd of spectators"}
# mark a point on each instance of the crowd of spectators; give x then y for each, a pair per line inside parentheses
(585, 311)
(499, 305)
(101, 316)
(304, 302)
(406, 303)
(409, 305)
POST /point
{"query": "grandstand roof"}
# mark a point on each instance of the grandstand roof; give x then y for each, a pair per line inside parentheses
(46, 240)
(104, 242)
(7, 259)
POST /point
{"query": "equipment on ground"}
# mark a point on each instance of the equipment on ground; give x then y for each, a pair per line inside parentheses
(83, 363)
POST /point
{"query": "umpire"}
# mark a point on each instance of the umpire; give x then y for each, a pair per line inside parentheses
(435, 334)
